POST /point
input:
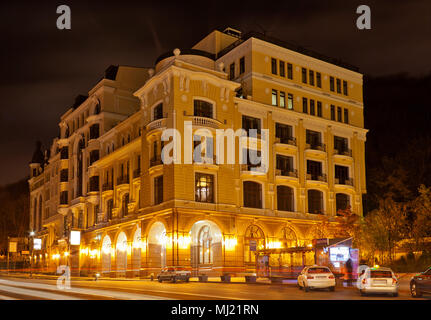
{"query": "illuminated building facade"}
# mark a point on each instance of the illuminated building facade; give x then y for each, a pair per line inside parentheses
(105, 176)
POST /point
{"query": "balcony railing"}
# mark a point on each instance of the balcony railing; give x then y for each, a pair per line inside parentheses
(136, 173)
(156, 124)
(316, 146)
(317, 177)
(123, 180)
(107, 187)
(347, 181)
(287, 173)
(155, 162)
(288, 140)
(253, 168)
(205, 122)
(343, 152)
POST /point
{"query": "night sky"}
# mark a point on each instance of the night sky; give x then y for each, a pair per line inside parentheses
(43, 68)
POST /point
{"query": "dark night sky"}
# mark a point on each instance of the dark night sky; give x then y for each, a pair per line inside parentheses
(44, 68)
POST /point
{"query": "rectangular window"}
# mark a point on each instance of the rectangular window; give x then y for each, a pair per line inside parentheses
(331, 84)
(304, 105)
(284, 132)
(232, 71)
(158, 112)
(311, 75)
(314, 168)
(274, 66)
(313, 138)
(274, 97)
(282, 99)
(202, 108)
(319, 108)
(290, 101)
(284, 164)
(241, 65)
(304, 75)
(250, 123)
(342, 174)
(318, 80)
(204, 187)
(332, 112)
(312, 110)
(341, 144)
(338, 86)
(158, 190)
(345, 88)
(282, 69)
(339, 115)
(346, 115)
(290, 71)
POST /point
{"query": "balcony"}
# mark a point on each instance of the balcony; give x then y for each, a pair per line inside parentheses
(253, 168)
(205, 122)
(155, 162)
(136, 173)
(107, 187)
(316, 146)
(123, 180)
(289, 140)
(343, 152)
(156, 124)
(287, 173)
(345, 181)
(317, 177)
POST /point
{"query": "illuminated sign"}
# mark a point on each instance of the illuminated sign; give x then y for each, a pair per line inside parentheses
(12, 246)
(37, 244)
(339, 253)
(75, 238)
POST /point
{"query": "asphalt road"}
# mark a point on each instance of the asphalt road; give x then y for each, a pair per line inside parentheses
(12, 288)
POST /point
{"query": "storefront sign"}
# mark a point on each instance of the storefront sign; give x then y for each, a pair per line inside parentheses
(75, 238)
(12, 246)
(37, 244)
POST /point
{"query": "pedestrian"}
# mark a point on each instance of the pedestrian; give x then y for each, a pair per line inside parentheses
(349, 269)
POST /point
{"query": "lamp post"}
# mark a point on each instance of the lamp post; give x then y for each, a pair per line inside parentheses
(31, 255)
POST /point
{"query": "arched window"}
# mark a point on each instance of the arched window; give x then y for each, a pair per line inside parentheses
(285, 198)
(97, 107)
(125, 204)
(288, 238)
(203, 108)
(252, 194)
(158, 111)
(205, 242)
(342, 202)
(315, 201)
(254, 239)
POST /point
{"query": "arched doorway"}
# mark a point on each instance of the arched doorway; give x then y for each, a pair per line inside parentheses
(254, 239)
(121, 254)
(136, 252)
(156, 247)
(106, 255)
(206, 246)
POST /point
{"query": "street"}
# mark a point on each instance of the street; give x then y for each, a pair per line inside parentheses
(20, 288)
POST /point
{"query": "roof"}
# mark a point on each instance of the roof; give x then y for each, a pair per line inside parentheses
(287, 45)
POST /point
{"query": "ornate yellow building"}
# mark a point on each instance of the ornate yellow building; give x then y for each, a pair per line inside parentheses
(104, 174)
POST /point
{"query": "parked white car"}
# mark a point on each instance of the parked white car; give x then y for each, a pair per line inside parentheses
(316, 277)
(378, 280)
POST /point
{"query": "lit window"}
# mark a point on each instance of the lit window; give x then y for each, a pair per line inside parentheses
(274, 97)
(290, 101)
(282, 99)
(204, 187)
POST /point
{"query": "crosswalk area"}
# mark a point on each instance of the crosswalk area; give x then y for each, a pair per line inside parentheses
(22, 290)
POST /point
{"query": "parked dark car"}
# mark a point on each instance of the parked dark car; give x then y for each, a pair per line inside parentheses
(421, 283)
(173, 274)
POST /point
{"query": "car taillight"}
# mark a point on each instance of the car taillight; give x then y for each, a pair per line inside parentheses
(310, 277)
(331, 277)
(394, 281)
